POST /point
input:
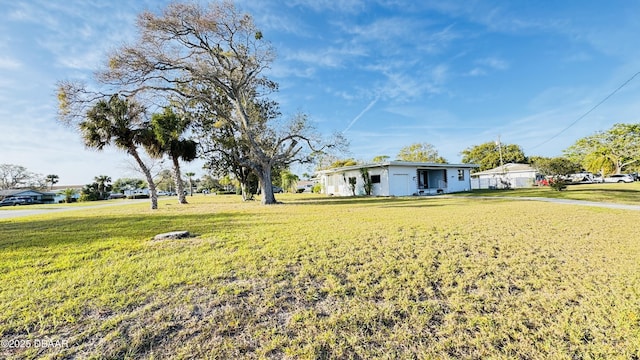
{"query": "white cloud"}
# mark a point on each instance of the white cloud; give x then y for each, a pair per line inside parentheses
(7, 63)
(494, 63)
(440, 73)
(477, 72)
(322, 58)
(342, 6)
(578, 57)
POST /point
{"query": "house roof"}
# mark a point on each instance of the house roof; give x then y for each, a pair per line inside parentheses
(507, 168)
(64, 187)
(398, 163)
(14, 192)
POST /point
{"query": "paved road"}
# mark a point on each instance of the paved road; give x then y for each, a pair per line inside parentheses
(28, 211)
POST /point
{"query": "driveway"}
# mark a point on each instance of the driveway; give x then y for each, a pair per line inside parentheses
(27, 211)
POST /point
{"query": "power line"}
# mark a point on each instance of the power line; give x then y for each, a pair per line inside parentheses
(588, 112)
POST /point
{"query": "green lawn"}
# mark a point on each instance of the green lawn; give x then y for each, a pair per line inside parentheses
(324, 278)
(614, 193)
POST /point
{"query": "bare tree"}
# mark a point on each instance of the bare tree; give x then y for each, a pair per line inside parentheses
(16, 176)
(210, 57)
(12, 176)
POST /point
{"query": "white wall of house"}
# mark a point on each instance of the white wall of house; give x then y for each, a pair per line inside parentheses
(144, 191)
(399, 180)
(337, 183)
(516, 179)
(511, 175)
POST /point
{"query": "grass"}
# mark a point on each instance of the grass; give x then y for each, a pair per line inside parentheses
(324, 278)
(80, 204)
(613, 193)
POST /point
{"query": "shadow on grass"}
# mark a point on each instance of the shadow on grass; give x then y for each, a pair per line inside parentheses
(364, 200)
(71, 230)
(574, 188)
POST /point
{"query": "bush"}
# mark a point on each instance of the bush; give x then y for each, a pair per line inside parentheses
(138, 196)
(317, 188)
(88, 197)
(557, 184)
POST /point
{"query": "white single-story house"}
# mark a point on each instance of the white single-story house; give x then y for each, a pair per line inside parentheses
(511, 175)
(134, 192)
(44, 197)
(398, 178)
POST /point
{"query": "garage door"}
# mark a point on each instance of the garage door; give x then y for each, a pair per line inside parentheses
(399, 185)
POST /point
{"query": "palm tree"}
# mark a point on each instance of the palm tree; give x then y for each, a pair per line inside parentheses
(118, 121)
(190, 175)
(68, 193)
(166, 139)
(53, 179)
(103, 182)
(289, 181)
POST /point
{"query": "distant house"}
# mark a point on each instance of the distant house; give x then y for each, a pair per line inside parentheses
(398, 178)
(305, 186)
(136, 192)
(39, 196)
(58, 189)
(511, 175)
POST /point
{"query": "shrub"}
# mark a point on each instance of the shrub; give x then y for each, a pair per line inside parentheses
(87, 197)
(317, 188)
(352, 185)
(557, 183)
(138, 196)
(366, 178)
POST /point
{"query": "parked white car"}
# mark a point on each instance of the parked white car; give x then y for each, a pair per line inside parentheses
(618, 178)
(584, 178)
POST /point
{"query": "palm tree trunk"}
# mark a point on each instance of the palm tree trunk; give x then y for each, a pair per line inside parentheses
(147, 173)
(177, 178)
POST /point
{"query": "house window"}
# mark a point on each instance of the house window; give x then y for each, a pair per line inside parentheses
(375, 179)
(460, 174)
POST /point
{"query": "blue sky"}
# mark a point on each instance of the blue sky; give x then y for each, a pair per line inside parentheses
(387, 73)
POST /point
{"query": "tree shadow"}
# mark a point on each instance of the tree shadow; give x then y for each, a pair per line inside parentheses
(352, 200)
(69, 230)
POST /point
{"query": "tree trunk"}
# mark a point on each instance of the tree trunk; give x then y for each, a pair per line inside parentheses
(147, 173)
(266, 188)
(177, 178)
(244, 189)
